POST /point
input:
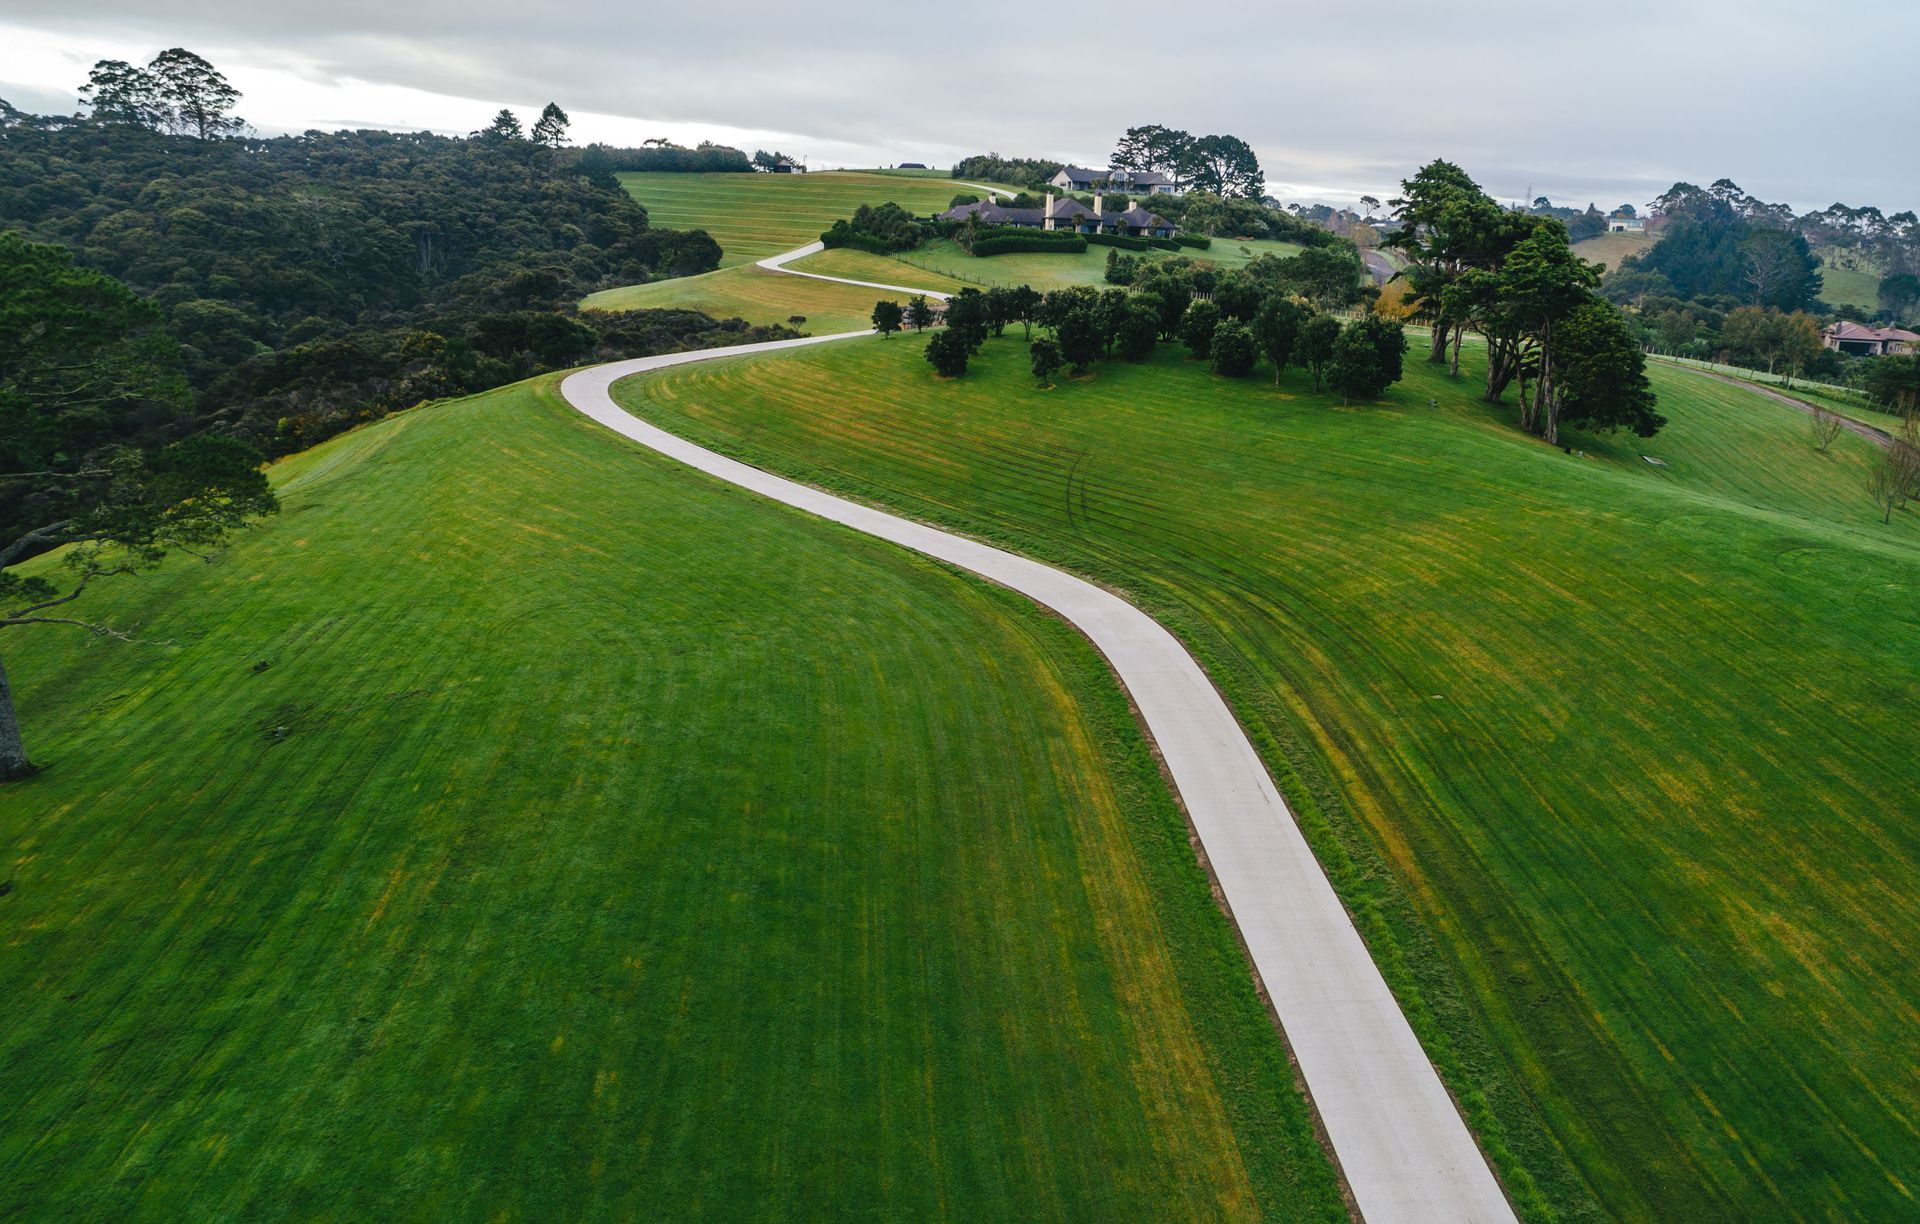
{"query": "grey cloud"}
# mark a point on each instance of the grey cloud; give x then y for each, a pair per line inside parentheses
(1572, 99)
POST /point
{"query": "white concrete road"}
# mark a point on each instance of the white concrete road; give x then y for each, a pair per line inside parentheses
(1400, 1142)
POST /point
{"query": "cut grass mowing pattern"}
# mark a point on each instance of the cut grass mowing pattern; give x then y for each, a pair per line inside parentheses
(758, 296)
(753, 216)
(1636, 742)
(943, 259)
(600, 842)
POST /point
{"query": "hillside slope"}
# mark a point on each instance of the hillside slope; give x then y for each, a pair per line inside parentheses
(519, 826)
(1630, 742)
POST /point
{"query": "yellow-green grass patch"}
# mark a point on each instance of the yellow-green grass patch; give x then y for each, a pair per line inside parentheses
(756, 295)
(1611, 248)
(753, 216)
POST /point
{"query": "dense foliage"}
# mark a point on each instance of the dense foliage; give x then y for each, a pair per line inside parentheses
(97, 448)
(1017, 171)
(880, 229)
(1513, 278)
(313, 281)
(662, 156)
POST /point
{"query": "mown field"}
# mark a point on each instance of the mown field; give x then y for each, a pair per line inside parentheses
(1613, 761)
(523, 827)
(1610, 248)
(1856, 286)
(945, 260)
(753, 216)
(760, 296)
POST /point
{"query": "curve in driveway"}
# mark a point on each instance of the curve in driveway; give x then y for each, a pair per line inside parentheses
(1405, 1151)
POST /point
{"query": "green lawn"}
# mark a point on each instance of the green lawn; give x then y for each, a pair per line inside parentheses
(753, 216)
(760, 296)
(1613, 761)
(943, 259)
(1856, 286)
(1610, 248)
(521, 826)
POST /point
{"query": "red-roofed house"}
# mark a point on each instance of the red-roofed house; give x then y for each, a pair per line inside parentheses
(1862, 341)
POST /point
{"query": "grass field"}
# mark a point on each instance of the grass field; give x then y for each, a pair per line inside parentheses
(760, 296)
(943, 259)
(753, 216)
(1612, 761)
(1611, 248)
(1849, 286)
(520, 826)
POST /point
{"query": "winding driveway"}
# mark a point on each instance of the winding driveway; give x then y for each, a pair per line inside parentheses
(1400, 1142)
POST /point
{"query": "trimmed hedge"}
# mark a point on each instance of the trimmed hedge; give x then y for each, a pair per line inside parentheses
(1127, 242)
(1030, 243)
(1197, 241)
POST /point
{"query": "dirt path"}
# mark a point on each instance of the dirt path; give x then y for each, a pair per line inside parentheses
(1870, 432)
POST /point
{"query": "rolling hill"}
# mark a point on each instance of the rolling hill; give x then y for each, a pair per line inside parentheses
(519, 825)
(1609, 757)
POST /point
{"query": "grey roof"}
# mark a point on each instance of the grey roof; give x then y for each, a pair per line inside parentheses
(1144, 178)
(1067, 209)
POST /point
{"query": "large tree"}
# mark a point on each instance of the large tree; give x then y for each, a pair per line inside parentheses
(1448, 227)
(1225, 166)
(1541, 283)
(95, 452)
(198, 99)
(1601, 374)
(550, 129)
(118, 92)
(1155, 148)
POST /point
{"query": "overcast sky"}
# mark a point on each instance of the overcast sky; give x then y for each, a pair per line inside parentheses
(1802, 102)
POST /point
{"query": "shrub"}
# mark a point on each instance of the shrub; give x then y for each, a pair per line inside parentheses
(947, 352)
(1139, 331)
(1030, 243)
(1126, 242)
(1046, 360)
(1199, 242)
(1233, 349)
(1196, 330)
(1162, 244)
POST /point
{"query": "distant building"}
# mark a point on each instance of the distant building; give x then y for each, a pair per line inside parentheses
(1066, 213)
(1127, 182)
(783, 166)
(1860, 340)
(911, 166)
(1626, 223)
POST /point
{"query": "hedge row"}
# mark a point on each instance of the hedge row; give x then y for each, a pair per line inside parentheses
(1125, 242)
(1197, 241)
(843, 235)
(1030, 243)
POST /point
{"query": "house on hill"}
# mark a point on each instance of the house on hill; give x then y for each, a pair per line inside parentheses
(1122, 182)
(1067, 213)
(1859, 340)
(783, 166)
(1626, 223)
(911, 166)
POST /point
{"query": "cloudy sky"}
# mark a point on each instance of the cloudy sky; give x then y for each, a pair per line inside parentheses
(1802, 102)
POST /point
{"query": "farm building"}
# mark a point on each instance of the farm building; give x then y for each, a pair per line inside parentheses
(1131, 182)
(1862, 341)
(911, 166)
(1626, 223)
(1066, 213)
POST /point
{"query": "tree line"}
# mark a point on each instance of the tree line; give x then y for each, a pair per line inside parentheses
(1231, 321)
(314, 281)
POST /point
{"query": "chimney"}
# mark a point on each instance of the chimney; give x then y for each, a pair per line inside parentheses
(1046, 215)
(1099, 202)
